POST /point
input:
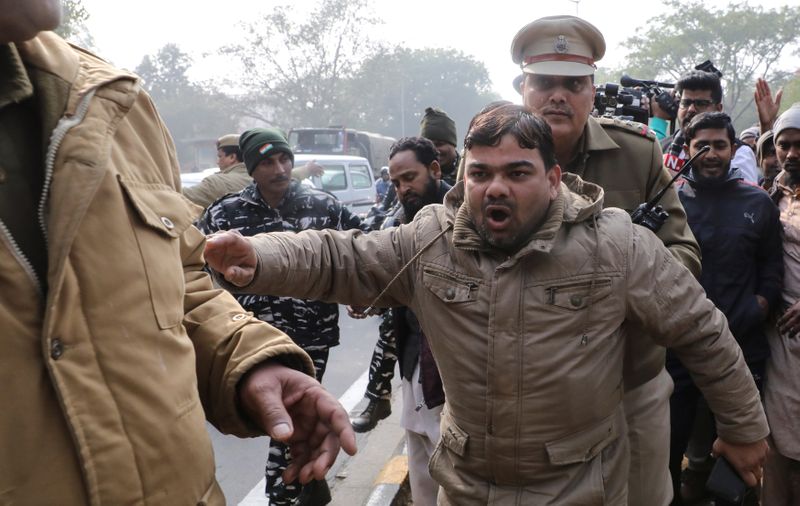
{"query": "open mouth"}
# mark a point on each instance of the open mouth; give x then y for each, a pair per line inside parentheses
(498, 217)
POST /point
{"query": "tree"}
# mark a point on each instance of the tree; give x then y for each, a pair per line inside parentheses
(743, 41)
(295, 64)
(73, 23)
(195, 114)
(164, 74)
(394, 86)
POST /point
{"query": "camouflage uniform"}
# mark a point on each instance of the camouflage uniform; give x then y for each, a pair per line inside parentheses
(384, 356)
(313, 325)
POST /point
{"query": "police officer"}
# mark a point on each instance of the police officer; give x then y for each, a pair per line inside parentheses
(557, 55)
(231, 178)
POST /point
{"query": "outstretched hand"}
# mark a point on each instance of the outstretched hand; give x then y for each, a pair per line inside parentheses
(748, 459)
(766, 106)
(294, 408)
(230, 254)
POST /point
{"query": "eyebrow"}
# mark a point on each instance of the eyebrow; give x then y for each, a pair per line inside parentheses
(509, 166)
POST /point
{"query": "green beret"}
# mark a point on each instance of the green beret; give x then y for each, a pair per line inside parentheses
(257, 144)
(436, 125)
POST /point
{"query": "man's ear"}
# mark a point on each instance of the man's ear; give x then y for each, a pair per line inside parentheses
(435, 169)
(554, 178)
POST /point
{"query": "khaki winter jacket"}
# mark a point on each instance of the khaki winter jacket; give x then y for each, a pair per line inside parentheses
(529, 346)
(106, 381)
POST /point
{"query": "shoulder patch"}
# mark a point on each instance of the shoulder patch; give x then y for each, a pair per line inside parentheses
(628, 126)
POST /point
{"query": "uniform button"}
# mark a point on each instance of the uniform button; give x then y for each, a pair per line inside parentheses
(450, 293)
(167, 222)
(56, 349)
(576, 300)
(239, 317)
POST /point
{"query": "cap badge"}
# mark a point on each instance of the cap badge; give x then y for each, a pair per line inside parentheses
(561, 46)
(263, 149)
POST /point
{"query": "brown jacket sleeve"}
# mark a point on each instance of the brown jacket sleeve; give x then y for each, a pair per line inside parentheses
(667, 301)
(348, 267)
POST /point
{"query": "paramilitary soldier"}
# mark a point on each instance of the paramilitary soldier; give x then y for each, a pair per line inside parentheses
(440, 129)
(523, 291)
(274, 202)
(557, 55)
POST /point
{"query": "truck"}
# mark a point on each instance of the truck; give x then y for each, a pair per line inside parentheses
(338, 140)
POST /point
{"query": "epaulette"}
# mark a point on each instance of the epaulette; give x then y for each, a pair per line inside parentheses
(628, 126)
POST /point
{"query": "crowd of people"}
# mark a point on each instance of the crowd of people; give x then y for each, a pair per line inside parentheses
(552, 350)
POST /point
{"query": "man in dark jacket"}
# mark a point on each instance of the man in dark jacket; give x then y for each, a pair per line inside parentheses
(738, 229)
(415, 173)
(274, 202)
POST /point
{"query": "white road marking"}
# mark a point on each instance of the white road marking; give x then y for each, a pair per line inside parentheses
(348, 400)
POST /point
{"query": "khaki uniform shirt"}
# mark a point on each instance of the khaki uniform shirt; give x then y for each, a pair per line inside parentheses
(230, 180)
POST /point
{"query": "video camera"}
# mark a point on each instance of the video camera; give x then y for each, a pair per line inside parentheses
(664, 98)
(612, 100)
(654, 89)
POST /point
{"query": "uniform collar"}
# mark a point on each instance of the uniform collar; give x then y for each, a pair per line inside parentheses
(235, 166)
(595, 137)
(252, 195)
(15, 85)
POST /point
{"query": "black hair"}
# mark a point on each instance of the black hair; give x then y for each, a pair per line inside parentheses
(423, 148)
(530, 130)
(232, 150)
(710, 120)
(698, 80)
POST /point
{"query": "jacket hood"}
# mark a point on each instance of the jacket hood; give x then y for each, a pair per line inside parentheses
(577, 201)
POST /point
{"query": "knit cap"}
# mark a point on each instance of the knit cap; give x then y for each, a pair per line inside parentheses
(436, 125)
(257, 144)
(789, 119)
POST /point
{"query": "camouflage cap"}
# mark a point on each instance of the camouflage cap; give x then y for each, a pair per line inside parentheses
(228, 140)
(558, 45)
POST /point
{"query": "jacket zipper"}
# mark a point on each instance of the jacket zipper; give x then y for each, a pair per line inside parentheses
(20, 257)
(63, 126)
(472, 285)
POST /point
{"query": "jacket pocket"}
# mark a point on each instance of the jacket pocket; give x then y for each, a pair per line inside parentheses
(449, 286)
(161, 217)
(583, 446)
(454, 438)
(574, 296)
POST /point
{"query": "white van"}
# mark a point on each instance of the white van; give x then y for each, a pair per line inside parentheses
(347, 177)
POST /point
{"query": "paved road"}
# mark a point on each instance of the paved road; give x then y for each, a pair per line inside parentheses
(240, 462)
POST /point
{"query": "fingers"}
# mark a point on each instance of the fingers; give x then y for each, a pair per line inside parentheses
(778, 97)
(239, 276)
(261, 395)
